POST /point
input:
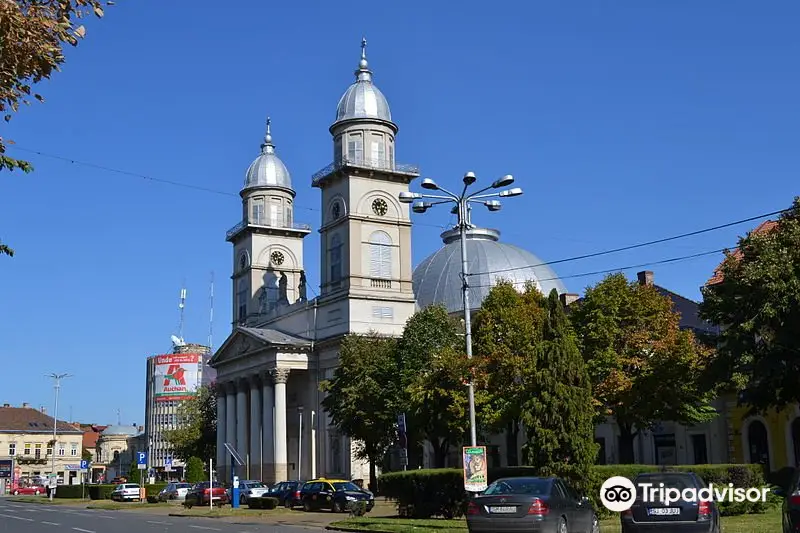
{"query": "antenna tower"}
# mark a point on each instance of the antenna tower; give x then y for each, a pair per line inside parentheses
(119, 417)
(211, 318)
(181, 306)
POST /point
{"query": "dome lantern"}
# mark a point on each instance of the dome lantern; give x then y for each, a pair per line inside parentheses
(363, 100)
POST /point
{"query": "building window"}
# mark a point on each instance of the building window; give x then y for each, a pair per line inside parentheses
(700, 449)
(257, 212)
(355, 148)
(242, 297)
(336, 259)
(289, 215)
(37, 452)
(61, 450)
(27, 448)
(74, 450)
(391, 154)
(12, 449)
(380, 255)
(337, 150)
(49, 450)
(378, 151)
(275, 212)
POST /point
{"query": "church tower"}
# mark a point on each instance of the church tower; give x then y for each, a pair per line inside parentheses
(267, 243)
(365, 231)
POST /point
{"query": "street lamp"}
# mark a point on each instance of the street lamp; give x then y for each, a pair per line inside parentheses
(57, 385)
(461, 208)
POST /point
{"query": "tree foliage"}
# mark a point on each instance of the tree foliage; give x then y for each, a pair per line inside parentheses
(643, 368)
(506, 333)
(757, 304)
(557, 405)
(362, 396)
(32, 38)
(5, 250)
(196, 434)
(195, 470)
(134, 474)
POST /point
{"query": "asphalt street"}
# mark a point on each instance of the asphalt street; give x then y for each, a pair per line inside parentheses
(38, 518)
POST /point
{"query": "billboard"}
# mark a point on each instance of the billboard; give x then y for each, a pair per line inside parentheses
(176, 376)
(6, 468)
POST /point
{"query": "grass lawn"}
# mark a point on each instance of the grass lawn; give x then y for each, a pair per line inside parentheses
(120, 506)
(761, 523)
(227, 510)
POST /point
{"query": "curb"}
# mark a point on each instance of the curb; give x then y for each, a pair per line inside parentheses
(350, 530)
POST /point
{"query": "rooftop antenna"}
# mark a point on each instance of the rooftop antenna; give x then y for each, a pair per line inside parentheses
(181, 306)
(119, 417)
(211, 318)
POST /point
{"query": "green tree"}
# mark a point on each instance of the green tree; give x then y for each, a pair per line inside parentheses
(506, 333)
(86, 455)
(362, 397)
(557, 413)
(643, 367)
(32, 38)
(5, 250)
(196, 434)
(195, 470)
(757, 304)
(134, 474)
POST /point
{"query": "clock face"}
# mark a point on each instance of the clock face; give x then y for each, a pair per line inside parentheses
(276, 258)
(379, 207)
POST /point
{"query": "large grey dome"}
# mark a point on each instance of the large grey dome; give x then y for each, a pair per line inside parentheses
(121, 430)
(362, 99)
(437, 279)
(267, 170)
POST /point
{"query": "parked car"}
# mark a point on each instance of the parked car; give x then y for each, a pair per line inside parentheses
(203, 494)
(287, 492)
(174, 491)
(791, 504)
(34, 490)
(333, 494)
(126, 491)
(682, 516)
(249, 489)
(542, 504)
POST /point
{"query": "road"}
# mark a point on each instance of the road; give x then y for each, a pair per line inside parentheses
(40, 518)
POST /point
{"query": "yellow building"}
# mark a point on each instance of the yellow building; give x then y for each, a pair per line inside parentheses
(26, 438)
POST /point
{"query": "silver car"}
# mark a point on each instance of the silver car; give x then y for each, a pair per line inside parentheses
(126, 491)
(174, 491)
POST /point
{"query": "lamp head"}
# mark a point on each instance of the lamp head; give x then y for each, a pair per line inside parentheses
(429, 184)
(516, 191)
(454, 210)
(469, 178)
(420, 207)
(406, 197)
(493, 205)
(505, 181)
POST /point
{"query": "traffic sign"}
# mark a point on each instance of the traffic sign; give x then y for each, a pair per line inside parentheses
(141, 459)
(84, 464)
(168, 461)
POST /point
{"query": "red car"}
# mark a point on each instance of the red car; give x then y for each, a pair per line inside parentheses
(35, 491)
(202, 494)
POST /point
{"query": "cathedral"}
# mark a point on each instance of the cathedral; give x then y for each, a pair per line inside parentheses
(284, 344)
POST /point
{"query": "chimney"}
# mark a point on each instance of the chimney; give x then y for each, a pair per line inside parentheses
(140, 429)
(43, 410)
(26, 405)
(569, 299)
(645, 278)
(6, 405)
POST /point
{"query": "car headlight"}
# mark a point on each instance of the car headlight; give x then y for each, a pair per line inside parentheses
(350, 498)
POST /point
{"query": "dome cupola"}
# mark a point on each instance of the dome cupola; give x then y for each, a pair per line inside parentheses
(362, 100)
(267, 170)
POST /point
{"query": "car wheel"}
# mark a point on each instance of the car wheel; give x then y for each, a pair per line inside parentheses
(562, 526)
(16, 493)
(36, 493)
(242, 500)
(306, 507)
(287, 503)
(337, 507)
(595, 525)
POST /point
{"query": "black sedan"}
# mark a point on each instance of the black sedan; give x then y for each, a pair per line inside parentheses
(538, 504)
(650, 515)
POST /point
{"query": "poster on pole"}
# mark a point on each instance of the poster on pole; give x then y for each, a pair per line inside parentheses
(476, 469)
(176, 376)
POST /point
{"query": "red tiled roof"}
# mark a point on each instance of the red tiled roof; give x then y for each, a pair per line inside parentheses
(764, 227)
(29, 420)
(91, 433)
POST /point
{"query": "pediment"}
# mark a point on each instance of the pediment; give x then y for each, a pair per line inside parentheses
(243, 341)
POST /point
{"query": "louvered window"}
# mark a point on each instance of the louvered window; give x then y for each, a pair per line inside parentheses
(336, 259)
(380, 255)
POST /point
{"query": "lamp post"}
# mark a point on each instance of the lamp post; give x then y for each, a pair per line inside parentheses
(461, 208)
(57, 385)
(300, 444)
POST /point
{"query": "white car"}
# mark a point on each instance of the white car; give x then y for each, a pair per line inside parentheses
(251, 489)
(126, 491)
(174, 491)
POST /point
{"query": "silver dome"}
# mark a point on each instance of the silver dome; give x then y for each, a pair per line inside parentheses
(121, 430)
(362, 99)
(437, 279)
(267, 170)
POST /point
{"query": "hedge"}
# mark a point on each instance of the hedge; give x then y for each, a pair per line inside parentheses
(264, 502)
(103, 492)
(71, 491)
(440, 492)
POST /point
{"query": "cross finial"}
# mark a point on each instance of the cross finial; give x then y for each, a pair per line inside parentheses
(363, 48)
(267, 146)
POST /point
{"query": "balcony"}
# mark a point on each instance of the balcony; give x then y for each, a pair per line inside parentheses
(369, 164)
(264, 222)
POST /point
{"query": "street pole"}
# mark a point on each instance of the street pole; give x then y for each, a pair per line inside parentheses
(300, 445)
(462, 222)
(57, 378)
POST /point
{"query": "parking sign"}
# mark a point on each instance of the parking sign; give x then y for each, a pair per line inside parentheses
(168, 461)
(141, 458)
(84, 465)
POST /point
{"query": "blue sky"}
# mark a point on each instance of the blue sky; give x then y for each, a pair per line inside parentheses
(623, 121)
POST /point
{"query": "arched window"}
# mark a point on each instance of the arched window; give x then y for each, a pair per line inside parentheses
(242, 300)
(758, 443)
(380, 255)
(336, 259)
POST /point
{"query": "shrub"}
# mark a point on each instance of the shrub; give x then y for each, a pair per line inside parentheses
(254, 503)
(100, 492)
(268, 502)
(357, 508)
(440, 492)
(152, 499)
(154, 488)
(195, 470)
(70, 491)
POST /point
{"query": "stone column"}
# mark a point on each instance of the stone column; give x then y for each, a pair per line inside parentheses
(230, 427)
(280, 377)
(268, 430)
(255, 429)
(221, 434)
(241, 425)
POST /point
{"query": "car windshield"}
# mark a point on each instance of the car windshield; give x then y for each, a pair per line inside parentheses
(256, 485)
(346, 486)
(183, 486)
(537, 487)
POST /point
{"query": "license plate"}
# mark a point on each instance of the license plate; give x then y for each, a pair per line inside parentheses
(507, 509)
(664, 511)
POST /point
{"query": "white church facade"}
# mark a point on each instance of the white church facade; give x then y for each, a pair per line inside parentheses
(284, 344)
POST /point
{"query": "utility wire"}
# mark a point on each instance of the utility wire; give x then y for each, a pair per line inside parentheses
(612, 270)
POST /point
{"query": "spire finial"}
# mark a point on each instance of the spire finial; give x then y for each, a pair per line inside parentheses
(267, 146)
(362, 65)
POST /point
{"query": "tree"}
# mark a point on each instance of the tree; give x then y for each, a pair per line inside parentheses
(86, 455)
(643, 368)
(134, 474)
(4, 249)
(196, 434)
(33, 34)
(506, 333)
(757, 304)
(195, 470)
(557, 413)
(362, 398)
